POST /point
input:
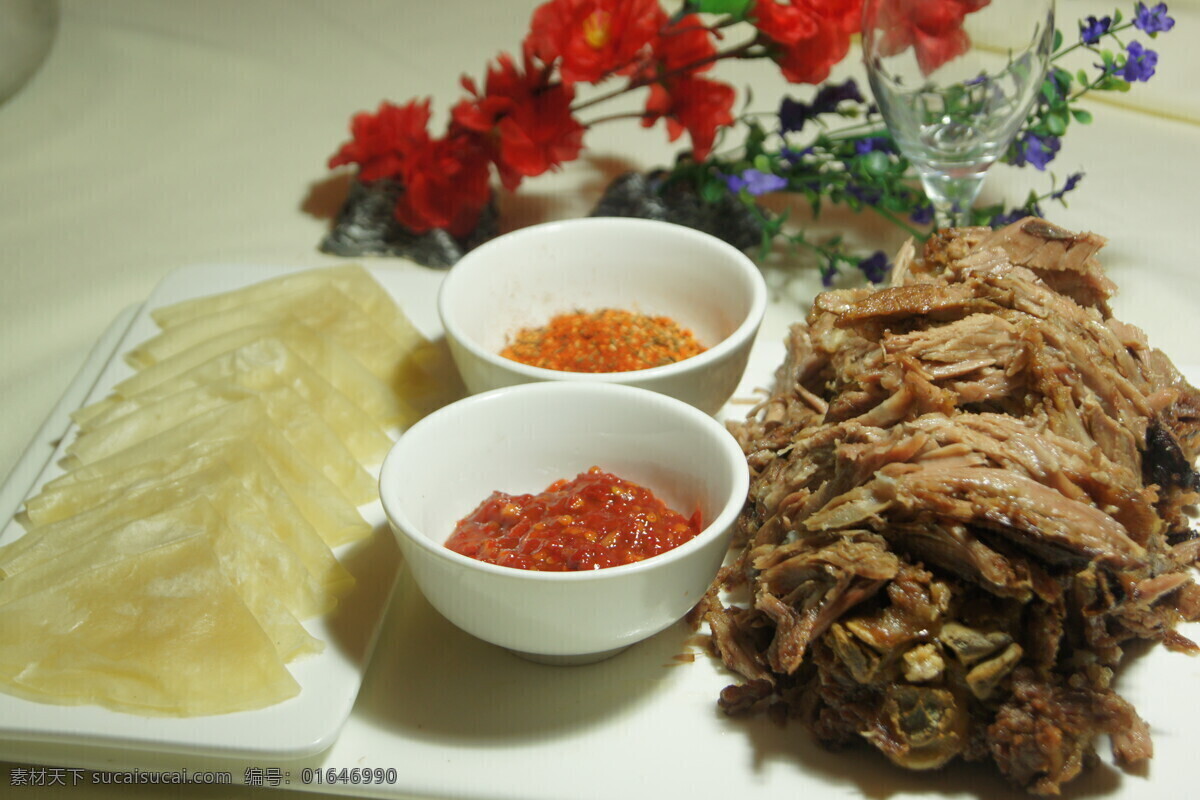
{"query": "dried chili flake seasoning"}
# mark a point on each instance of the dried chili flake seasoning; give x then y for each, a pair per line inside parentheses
(608, 340)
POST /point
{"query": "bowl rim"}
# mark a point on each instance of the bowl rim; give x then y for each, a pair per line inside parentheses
(402, 525)
(743, 332)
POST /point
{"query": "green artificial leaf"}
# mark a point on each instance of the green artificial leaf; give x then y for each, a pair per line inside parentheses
(1058, 40)
(1063, 78)
(756, 137)
(1081, 116)
(713, 191)
(1111, 83)
(1116, 20)
(1082, 77)
(1056, 123)
(1049, 90)
(735, 8)
(771, 227)
(1039, 128)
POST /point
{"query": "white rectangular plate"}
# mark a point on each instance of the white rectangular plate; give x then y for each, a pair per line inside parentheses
(301, 726)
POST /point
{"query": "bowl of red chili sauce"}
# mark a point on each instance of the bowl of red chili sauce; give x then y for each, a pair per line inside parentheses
(605, 299)
(564, 521)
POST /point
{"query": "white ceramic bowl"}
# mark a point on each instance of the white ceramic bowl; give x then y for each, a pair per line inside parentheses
(524, 278)
(521, 439)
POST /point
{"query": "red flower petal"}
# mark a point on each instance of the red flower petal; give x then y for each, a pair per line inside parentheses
(786, 24)
(383, 140)
(525, 122)
(685, 42)
(447, 186)
(810, 60)
(539, 134)
(697, 105)
(934, 28)
(934, 51)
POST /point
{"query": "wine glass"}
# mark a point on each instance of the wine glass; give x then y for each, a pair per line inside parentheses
(954, 80)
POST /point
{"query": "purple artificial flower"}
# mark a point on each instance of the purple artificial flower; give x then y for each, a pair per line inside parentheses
(875, 266)
(1152, 20)
(867, 195)
(830, 95)
(1072, 182)
(1139, 63)
(755, 182)
(1000, 220)
(1091, 31)
(794, 156)
(873, 144)
(1017, 214)
(922, 215)
(1037, 151)
(793, 114)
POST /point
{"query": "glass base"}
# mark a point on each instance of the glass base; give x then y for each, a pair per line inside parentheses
(952, 195)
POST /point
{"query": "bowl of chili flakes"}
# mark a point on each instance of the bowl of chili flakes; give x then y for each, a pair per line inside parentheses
(618, 300)
(548, 453)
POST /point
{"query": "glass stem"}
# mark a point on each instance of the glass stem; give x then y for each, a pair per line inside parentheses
(952, 195)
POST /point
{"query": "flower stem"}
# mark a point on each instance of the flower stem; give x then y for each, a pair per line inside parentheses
(920, 236)
(741, 51)
(1092, 45)
(615, 117)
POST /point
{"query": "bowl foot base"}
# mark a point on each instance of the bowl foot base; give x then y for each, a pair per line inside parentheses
(569, 660)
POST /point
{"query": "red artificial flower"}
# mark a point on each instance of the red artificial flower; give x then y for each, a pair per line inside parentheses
(785, 24)
(697, 105)
(685, 45)
(700, 106)
(593, 38)
(933, 28)
(845, 14)
(446, 185)
(525, 121)
(384, 140)
(811, 59)
(446, 181)
(810, 36)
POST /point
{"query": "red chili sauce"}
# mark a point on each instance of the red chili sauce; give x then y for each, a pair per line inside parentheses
(593, 521)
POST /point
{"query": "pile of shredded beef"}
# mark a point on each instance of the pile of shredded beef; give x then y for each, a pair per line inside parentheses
(968, 495)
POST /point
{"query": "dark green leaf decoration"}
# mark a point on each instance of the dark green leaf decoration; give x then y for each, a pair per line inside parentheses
(712, 191)
(734, 8)
(1056, 123)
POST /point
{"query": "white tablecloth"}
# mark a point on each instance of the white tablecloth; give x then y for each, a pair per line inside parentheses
(162, 134)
